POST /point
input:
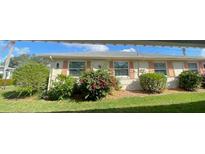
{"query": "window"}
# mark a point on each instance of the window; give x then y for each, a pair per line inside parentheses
(204, 66)
(76, 68)
(193, 67)
(160, 68)
(121, 68)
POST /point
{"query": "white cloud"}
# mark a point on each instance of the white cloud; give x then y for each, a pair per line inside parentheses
(129, 50)
(17, 50)
(20, 51)
(88, 47)
(202, 53)
(2, 44)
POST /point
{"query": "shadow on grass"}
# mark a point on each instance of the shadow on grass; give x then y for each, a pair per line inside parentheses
(13, 95)
(193, 107)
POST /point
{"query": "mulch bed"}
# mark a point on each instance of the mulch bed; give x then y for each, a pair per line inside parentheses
(125, 93)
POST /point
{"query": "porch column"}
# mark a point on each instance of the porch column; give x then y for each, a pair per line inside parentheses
(186, 67)
(65, 68)
(201, 67)
(170, 69)
(151, 67)
(131, 70)
(88, 66)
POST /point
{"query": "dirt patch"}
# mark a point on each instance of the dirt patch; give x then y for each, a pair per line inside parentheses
(125, 93)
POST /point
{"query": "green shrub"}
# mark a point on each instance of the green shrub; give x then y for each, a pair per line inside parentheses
(7, 82)
(95, 85)
(115, 83)
(62, 88)
(31, 78)
(153, 82)
(203, 81)
(189, 80)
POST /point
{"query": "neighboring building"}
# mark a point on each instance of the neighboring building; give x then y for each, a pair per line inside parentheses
(125, 66)
(9, 72)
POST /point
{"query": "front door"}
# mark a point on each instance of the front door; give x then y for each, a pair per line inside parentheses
(178, 68)
(141, 67)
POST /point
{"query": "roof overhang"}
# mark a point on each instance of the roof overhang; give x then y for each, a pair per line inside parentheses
(170, 43)
(117, 57)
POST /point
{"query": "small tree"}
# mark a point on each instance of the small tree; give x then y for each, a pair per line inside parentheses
(31, 78)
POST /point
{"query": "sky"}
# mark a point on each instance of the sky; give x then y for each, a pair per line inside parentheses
(28, 47)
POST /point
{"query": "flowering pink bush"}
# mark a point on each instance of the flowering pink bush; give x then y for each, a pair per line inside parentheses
(94, 85)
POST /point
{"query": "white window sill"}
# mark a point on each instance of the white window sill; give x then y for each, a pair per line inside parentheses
(122, 77)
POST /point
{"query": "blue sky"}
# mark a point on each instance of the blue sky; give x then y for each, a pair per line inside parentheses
(27, 47)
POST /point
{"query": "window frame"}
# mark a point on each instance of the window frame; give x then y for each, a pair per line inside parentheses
(69, 68)
(121, 76)
(161, 69)
(197, 66)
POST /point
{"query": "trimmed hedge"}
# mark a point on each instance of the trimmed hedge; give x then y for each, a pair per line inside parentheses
(153, 82)
(7, 82)
(189, 80)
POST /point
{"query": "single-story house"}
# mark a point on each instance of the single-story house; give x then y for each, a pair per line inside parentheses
(9, 72)
(126, 66)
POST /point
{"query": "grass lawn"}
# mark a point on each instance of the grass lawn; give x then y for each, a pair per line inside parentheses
(179, 102)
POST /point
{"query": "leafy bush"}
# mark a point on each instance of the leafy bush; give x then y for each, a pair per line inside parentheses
(203, 81)
(62, 88)
(6, 82)
(115, 83)
(189, 80)
(95, 85)
(153, 82)
(31, 78)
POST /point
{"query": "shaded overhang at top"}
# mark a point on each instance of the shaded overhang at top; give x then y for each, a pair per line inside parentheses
(170, 43)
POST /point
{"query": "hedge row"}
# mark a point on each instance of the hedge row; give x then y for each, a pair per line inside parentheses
(156, 83)
(32, 78)
(92, 85)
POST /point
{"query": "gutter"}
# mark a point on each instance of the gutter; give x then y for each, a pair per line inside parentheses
(120, 57)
